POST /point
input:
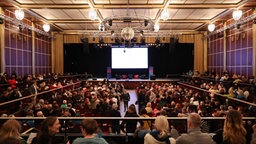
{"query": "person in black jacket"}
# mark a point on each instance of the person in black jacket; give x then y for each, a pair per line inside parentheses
(115, 126)
(130, 125)
(126, 99)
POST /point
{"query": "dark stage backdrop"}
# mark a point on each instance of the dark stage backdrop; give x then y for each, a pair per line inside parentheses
(167, 59)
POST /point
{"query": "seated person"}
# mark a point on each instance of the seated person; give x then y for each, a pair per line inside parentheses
(88, 128)
(194, 135)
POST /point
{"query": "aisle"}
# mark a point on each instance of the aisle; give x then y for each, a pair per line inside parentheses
(133, 99)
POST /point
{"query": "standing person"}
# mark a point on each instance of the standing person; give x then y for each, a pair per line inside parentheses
(11, 130)
(88, 128)
(49, 127)
(194, 135)
(233, 130)
(160, 135)
(130, 125)
(126, 99)
(115, 123)
(33, 90)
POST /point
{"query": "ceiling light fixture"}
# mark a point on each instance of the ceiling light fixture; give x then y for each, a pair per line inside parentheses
(127, 33)
(211, 27)
(46, 27)
(19, 14)
(237, 14)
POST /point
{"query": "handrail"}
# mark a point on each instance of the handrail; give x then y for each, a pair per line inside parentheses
(33, 95)
(252, 104)
(118, 118)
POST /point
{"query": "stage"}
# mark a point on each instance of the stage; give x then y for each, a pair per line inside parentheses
(133, 83)
(136, 80)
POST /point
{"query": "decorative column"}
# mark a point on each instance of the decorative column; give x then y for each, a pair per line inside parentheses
(205, 59)
(2, 44)
(225, 49)
(33, 51)
(254, 47)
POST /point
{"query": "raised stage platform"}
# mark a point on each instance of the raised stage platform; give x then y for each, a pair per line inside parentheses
(136, 80)
(133, 83)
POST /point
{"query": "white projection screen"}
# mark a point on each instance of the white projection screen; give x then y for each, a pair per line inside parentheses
(129, 58)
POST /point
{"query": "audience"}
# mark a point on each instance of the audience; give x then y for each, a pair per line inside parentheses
(88, 128)
(194, 135)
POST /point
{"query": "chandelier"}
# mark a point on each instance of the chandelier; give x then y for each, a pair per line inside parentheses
(211, 27)
(127, 33)
(19, 14)
(46, 27)
(237, 14)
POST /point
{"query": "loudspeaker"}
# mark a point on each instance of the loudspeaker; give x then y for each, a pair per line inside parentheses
(145, 23)
(152, 77)
(85, 45)
(1, 21)
(172, 45)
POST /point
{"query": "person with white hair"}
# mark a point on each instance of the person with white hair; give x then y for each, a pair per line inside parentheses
(160, 135)
(115, 125)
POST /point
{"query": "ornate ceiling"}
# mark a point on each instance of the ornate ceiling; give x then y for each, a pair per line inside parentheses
(71, 16)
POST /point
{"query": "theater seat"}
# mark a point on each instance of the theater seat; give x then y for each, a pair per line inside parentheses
(124, 76)
(136, 76)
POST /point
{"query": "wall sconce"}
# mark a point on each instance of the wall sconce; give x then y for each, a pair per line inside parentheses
(243, 35)
(237, 14)
(19, 14)
(46, 27)
(211, 27)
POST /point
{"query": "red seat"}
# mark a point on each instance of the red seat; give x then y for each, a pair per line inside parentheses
(136, 76)
(124, 76)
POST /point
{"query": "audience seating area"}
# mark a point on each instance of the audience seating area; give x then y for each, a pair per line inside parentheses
(76, 93)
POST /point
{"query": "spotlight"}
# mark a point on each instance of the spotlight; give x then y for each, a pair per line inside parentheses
(110, 22)
(112, 33)
(101, 40)
(141, 32)
(157, 41)
(143, 41)
(145, 23)
(20, 27)
(238, 26)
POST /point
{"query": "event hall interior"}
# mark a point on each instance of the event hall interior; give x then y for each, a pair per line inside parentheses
(76, 59)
